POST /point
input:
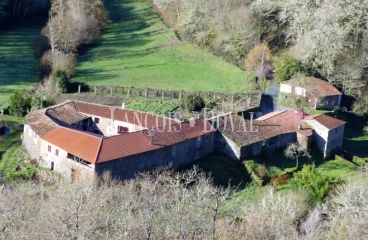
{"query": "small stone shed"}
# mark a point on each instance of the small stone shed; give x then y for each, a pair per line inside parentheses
(319, 93)
(328, 132)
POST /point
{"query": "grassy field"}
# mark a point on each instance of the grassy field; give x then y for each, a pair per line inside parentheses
(18, 67)
(139, 50)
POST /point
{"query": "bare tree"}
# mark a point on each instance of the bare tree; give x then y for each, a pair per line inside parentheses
(295, 151)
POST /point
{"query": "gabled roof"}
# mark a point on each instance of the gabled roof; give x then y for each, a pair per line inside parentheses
(64, 114)
(144, 119)
(147, 140)
(84, 145)
(97, 149)
(285, 122)
(327, 121)
(239, 130)
(314, 86)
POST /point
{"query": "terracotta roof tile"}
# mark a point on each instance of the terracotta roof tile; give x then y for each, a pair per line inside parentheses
(84, 145)
(327, 121)
(139, 142)
(146, 120)
(314, 86)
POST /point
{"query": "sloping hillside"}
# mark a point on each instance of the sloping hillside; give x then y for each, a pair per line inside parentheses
(139, 50)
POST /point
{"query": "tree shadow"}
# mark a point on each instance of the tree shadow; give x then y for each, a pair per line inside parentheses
(225, 170)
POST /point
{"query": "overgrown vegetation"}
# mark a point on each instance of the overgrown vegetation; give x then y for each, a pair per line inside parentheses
(191, 102)
(156, 107)
(315, 183)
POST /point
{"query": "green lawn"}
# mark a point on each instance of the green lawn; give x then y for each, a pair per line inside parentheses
(18, 67)
(138, 50)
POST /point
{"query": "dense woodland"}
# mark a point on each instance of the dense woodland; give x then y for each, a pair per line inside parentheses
(185, 205)
(15, 12)
(329, 37)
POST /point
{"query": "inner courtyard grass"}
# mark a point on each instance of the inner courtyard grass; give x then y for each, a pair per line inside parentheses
(18, 66)
(138, 50)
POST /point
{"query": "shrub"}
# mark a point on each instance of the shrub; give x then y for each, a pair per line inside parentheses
(155, 107)
(191, 103)
(316, 184)
(61, 78)
(288, 67)
(19, 106)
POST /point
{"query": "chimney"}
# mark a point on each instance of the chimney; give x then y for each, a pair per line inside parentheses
(251, 121)
(123, 105)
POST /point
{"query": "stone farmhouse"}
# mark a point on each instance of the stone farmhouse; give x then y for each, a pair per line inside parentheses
(241, 138)
(319, 94)
(80, 139)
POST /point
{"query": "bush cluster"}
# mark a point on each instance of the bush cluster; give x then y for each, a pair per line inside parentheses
(191, 102)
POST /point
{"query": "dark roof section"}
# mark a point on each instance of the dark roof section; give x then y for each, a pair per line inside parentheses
(39, 122)
(116, 147)
(82, 144)
(66, 113)
(146, 120)
(327, 121)
(239, 130)
(314, 86)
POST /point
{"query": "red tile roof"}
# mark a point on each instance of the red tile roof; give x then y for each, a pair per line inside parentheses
(285, 122)
(146, 120)
(327, 121)
(139, 142)
(84, 145)
(96, 149)
(314, 86)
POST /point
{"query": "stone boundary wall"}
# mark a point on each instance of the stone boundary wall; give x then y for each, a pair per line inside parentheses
(233, 101)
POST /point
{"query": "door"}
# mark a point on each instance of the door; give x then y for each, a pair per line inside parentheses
(52, 165)
(75, 175)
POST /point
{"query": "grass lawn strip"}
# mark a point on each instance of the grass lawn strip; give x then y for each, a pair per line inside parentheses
(139, 50)
(9, 157)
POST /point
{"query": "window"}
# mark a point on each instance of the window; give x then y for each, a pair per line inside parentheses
(207, 136)
(52, 166)
(336, 130)
(97, 120)
(188, 142)
(138, 155)
(57, 152)
(121, 160)
(199, 139)
(49, 148)
(96, 131)
(174, 148)
(122, 130)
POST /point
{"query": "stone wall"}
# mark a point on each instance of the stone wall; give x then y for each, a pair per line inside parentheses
(328, 102)
(227, 146)
(335, 139)
(65, 166)
(31, 142)
(180, 155)
(320, 136)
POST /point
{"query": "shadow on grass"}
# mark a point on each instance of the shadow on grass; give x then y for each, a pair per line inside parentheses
(225, 170)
